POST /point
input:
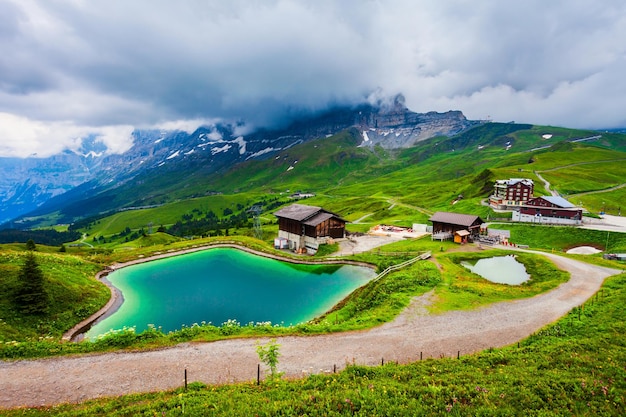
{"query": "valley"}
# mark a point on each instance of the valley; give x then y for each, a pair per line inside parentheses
(165, 211)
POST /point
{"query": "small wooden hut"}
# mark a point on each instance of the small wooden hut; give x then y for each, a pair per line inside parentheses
(460, 227)
(306, 227)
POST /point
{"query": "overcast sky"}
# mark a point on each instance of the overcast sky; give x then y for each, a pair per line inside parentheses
(105, 67)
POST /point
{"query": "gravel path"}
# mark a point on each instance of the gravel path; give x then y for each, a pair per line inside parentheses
(74, 379)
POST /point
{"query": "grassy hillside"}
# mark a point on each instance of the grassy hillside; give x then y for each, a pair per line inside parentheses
(573, 367)
(398, 187)
(73, 293)
(309, 166)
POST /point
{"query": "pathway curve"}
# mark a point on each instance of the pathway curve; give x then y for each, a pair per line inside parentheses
(546, 185)
(78, 378)
(606, 190)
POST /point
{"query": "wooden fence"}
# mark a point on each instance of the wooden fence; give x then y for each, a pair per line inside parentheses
(421, 257)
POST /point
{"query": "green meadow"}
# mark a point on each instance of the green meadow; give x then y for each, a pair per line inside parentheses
(399, 187)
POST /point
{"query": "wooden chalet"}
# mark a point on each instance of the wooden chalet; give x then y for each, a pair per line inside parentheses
(460, 227)
(304, 228)
(549, 210)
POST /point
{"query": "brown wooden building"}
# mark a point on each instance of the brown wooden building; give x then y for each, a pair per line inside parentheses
(549, 209)
(306, 227)
(460, 227)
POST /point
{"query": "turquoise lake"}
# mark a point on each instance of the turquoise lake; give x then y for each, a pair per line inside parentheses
(219, 284)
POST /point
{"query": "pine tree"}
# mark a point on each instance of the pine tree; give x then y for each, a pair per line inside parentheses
(30, 245)
(31, 296)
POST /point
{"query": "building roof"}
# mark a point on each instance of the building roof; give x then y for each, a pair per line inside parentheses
(559, 201)
(462, 233)
(297, 212)
(309, 215)
(319, 218)
(454, 218)
(513, 181)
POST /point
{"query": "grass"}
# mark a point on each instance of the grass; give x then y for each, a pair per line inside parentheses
(562, 238)
(69, 281)
(572, 367)
(382, 300)
(168, 213)
(589, 176)
(610, 202)
(463, 290)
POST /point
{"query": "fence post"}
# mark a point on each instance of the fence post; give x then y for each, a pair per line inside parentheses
(185, 379)
(258, 374)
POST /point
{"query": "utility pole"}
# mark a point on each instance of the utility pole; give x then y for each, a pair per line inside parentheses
(256, 211)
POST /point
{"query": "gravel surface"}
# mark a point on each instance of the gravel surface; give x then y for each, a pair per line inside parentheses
(75, 379)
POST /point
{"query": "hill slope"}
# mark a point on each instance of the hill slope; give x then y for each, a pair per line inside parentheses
(164, 158)
(400, 185)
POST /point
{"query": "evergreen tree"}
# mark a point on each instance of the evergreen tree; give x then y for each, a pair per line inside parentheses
(31, 297)
(30, 245)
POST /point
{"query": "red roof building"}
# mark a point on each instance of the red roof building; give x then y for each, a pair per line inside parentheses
(549, 210)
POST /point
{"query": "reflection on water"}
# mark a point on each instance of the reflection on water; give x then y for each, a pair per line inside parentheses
(500, 269)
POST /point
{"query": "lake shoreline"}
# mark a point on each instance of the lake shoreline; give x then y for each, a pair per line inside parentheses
(76, 333)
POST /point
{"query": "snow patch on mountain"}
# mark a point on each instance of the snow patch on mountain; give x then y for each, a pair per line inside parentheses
(161, 137)
(262, 152)
(215, 151)
(242, 145)
(93, 154)
(174, 155)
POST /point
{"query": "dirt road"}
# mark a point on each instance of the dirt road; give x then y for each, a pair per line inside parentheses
(75, 379)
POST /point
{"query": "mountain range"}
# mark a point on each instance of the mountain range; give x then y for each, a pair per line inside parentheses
(89, 181)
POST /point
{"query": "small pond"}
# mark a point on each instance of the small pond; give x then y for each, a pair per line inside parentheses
(221, 284)
(500, 269)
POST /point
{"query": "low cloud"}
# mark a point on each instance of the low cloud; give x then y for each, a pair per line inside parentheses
(72, 66)
(27, 138)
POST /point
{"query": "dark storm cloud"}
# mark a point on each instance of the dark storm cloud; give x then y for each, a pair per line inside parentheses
(70, 67)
